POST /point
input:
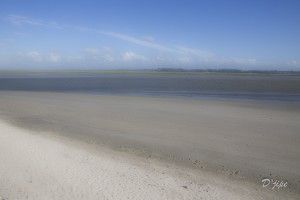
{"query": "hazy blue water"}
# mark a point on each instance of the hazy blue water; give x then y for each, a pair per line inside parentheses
(277, 88)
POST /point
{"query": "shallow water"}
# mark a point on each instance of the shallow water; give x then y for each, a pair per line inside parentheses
(267, 88)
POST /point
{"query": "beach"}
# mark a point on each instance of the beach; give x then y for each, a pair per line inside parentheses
(41, 167)
(225, 145)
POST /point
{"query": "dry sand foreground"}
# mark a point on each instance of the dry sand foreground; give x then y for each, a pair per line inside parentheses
(37, 167)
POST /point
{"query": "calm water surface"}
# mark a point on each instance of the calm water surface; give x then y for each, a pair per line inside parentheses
(273, 88)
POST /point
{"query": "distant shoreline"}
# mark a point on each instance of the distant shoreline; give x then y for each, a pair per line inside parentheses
(159, 71)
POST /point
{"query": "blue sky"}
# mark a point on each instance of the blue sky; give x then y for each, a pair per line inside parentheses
(56, 34)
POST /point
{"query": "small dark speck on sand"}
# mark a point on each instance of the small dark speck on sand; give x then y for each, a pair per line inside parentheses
(185, 187)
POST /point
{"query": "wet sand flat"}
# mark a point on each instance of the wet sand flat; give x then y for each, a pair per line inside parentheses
(244, 139)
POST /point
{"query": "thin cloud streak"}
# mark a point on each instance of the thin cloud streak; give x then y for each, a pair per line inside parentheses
(20, 20)
(141, 42)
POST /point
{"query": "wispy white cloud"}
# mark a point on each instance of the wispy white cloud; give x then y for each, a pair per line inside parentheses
(53, 58)
(33, 55)
(140, 42)
(130, 56)
(20, 20)
(197, 53)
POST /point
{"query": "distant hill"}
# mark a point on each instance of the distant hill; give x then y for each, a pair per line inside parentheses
(225, 71)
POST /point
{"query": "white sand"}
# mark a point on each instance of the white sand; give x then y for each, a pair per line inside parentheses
(38, 166)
